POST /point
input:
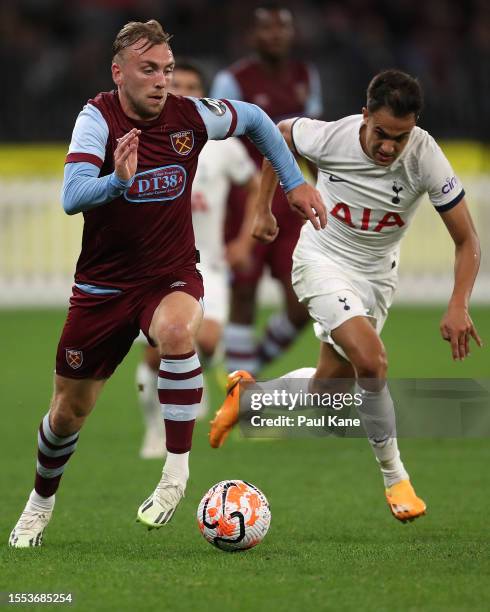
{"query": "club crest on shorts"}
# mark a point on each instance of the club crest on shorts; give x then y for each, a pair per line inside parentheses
(182, 142)
(74, 358)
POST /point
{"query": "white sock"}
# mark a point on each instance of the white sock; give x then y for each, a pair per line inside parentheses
(40, 504)
(377, 415)
(390, 464)
(146, 383)
(176, 468)
(241, 348)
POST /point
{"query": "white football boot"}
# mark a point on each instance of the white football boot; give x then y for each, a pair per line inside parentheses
(159, 508)
(30, 527)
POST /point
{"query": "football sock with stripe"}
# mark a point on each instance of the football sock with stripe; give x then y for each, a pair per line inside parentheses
(377, 415)
(278, 336)
(241, 348)
(52, 455)
(180, 384)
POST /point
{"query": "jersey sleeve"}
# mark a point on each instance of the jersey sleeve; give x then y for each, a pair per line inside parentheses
(239, 166)
(310, 138)
(89, 137)
(219, 118)
(225, 118)
(439, 179)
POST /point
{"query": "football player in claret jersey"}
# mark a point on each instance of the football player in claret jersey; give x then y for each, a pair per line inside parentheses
(373, 170)
(221, 164)
(283, 86)
(129, 170)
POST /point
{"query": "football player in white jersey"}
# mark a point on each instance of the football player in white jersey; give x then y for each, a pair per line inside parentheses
(221, 163)
(373, 169)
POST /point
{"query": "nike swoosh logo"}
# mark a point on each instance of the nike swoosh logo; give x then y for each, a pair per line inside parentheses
(335, 179)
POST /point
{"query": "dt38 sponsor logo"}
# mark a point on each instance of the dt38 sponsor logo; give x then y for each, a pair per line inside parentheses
(157, 185)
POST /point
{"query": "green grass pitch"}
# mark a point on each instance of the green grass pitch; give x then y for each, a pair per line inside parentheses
(332, 544)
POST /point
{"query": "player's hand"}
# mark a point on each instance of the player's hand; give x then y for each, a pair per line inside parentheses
(239, 253)
(265, 227)
(307, 201)
(457, 328)
(126, 155)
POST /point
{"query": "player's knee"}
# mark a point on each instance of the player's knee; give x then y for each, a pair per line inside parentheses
(371, 363)
(174, 337)
(68, 411)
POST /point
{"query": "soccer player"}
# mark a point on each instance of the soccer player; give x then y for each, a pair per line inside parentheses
(283, 87)
(130, 167)
(372, 171)
(221, 164)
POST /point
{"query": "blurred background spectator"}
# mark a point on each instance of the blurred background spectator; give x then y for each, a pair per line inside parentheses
(55, 54)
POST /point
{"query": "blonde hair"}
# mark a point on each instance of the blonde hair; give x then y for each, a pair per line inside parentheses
(133, 31)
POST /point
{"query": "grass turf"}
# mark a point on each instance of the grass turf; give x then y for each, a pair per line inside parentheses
(332, 543)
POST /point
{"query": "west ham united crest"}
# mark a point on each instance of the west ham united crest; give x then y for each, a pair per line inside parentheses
(182, 142)
(74, 358)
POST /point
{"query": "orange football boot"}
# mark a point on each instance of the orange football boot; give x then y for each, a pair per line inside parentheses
(227, 416)
(403, 502)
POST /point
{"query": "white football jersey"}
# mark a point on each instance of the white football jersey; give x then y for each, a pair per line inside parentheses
(221, 164)
(369, 206)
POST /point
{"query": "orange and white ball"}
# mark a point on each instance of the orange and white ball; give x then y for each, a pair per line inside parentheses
(234, 515)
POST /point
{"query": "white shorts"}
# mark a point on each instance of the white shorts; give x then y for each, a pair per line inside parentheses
(216, 292)
(334, 294)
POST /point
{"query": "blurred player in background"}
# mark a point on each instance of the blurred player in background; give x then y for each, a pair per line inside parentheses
(130, 167)
(373, 170)
(283, 87)
(221, 164)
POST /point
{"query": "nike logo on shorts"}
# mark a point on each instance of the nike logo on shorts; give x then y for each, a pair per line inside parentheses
(336, 179)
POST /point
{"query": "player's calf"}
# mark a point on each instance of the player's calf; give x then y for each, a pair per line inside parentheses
(180, 385)
(53, 453)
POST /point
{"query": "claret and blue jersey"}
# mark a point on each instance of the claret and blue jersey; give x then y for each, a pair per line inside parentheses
(142, 228)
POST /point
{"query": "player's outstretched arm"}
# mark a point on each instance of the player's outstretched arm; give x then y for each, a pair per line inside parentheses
(304, 199)
(456, 325)
(225, 118)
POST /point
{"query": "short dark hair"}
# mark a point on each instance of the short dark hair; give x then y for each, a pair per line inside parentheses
(133, 31)
(397, 91)
(189, 66)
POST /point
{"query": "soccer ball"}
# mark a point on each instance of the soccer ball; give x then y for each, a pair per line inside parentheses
(234, 515)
